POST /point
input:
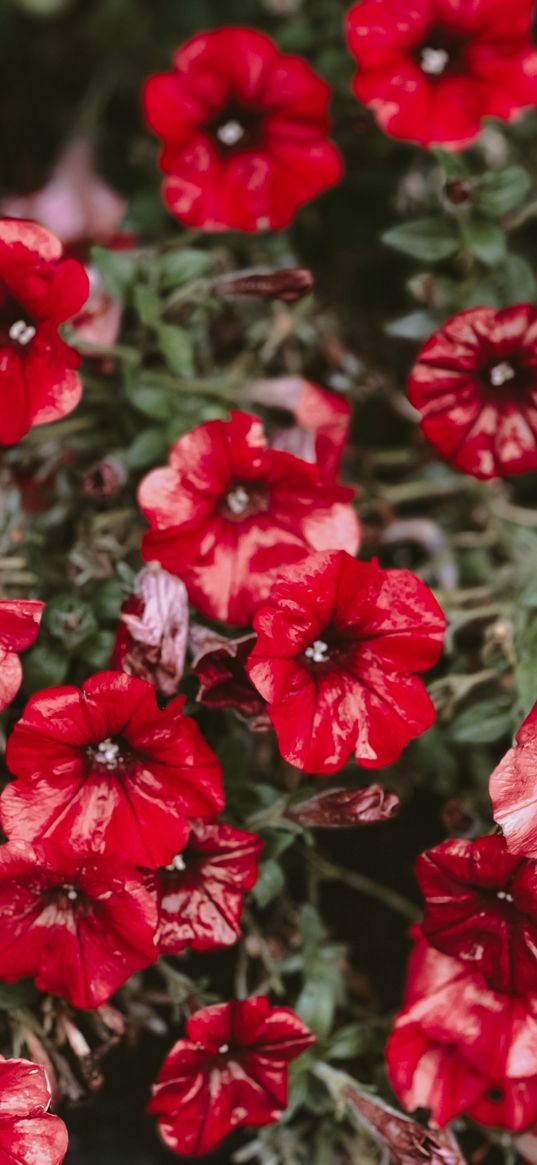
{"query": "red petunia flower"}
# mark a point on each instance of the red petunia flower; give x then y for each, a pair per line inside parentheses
(79, 922)
(245, 130)
(228, 513)
(38, 291)
(513, 790)
(338, 643)
(201, 893)
(431, 71)
(219, 664)
(104, 766)
(153, 630)
(19, 625)
(481, 906)
(459, 1047)
(230, 1071)
(475, 382)
(29, 1134)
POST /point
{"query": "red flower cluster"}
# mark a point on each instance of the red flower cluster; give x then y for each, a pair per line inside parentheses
(245, 130)
(475, 382)
(465, 1040)
(338, 644)
(29, 1134)
(19, 625)
(228, 513)
(432, 70)
(229, 1071)
(38, 291)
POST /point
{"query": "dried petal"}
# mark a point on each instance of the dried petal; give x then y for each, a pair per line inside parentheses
(342, 808)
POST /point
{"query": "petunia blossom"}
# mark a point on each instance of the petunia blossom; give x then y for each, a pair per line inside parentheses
(431, 71)
(19, 625)
(513, 790)
(244, 130)
(321, 420)
(229, 1071)
(29, 1134)
(152, 635)
(338, 644)
(475, 384)
(219, 663)
(228, 513)
(459, 1047)
(201, 892)
(39, 290)
(102, 765)
(78, 922)
(481, 906)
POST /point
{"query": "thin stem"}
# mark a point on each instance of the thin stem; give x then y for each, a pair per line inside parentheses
(364, 885)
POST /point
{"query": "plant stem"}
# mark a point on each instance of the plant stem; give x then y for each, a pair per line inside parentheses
(363, 885)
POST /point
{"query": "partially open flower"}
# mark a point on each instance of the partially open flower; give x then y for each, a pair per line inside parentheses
(152, 636)
(319, 420)
(219, 664)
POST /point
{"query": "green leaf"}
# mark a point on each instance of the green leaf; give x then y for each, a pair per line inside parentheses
(153, 402)
(148, 448)
(501, 192)
(429, 239)
(45, 665)
(483, 723)
(147, 304)
(178, 267)
(176, 347)
(98, 652)
(118, 270)
(516, 281)
(526, 668)
(269, 884)
(485, 240)
(347, 1042)
(453, 165)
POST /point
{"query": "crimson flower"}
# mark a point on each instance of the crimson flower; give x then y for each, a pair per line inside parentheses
(513, 790)
(475, 382)
(201, 893)
(104, 766)
(229, 1071)
(228, 513)
(38, 291)
(431, 71)
(321, 420)
(458, 1046)
(29, 1134)
(344, 808)
(219, 664)
(153, 630)
(19, 625)
(338, 643)
(244, 128)
(481, 906)
(79, 922)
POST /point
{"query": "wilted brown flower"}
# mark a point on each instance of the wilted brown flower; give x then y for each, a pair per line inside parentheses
(152, 637)
(220, 666)
(288, 284)
(341, 808)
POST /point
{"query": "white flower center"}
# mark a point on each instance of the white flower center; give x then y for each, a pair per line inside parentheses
(237, 500)
(502, 894)
(70, 893)
(501, 373)
(106, 753)
(230, 133)
(318, 651)
(434, 61)
(223, 1048)
(177, 863)
(21, 332)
